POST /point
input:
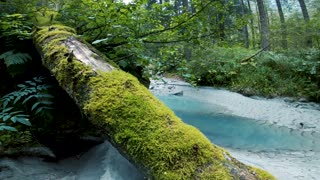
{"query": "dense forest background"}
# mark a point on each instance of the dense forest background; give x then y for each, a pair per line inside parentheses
(256, 47)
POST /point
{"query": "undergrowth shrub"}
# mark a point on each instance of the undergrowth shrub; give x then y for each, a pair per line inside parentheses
(271, 74)
(30, 100)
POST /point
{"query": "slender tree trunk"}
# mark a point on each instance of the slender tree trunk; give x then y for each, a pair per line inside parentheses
(283, 26)
(245, 27)
(253, 34)
(185, 6)
(307, 20)
(264, 33)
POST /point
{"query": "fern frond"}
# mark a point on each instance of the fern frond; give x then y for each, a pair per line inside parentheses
(14, 58)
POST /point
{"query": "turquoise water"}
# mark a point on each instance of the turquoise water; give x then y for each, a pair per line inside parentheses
(237, 132)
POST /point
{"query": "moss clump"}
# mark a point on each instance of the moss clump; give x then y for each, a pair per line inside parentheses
(261, 174)
(150, 132)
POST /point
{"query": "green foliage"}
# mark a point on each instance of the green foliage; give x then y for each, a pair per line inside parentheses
(15, 32)
(171, 58)
(31, 91)
(12, 58)
(8, 114)
(217, 66)
(290, 73)
(15, 104)
(15, 26)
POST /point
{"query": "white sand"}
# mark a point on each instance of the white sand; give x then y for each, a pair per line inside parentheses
(304, 165)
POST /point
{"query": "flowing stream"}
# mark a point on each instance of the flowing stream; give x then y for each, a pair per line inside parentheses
(232, 131)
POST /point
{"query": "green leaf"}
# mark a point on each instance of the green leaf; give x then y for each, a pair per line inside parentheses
(31, 83)
(100, 40)
(7, 109)
(46, 102)
(35, 105)
(38, 79)
(13, 58)
(39, 110)
(24, 121)
(8, 128)
(27, 99)
(17, 99)
(6, 117)
(21, 85)
(15, 112)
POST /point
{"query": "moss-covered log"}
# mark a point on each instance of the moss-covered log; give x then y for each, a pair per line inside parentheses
(142, 128)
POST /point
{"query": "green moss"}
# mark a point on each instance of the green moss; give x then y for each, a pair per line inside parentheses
(261, 174)
(149, 131)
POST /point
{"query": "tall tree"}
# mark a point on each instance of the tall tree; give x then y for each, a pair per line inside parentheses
(307, 20)
(264, 27)
(283, 26)
(245, 27)
(253, 34)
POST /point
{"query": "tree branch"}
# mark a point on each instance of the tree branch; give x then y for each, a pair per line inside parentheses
(258, 52)
(178, 40)
(178, 25)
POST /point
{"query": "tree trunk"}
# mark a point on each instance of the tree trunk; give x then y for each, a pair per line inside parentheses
(142, 128)
(283, 26)
(264, 33)
(307, 20)
(245, 27)
(252, 27)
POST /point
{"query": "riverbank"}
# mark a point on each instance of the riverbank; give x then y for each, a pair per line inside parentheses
(301, 118)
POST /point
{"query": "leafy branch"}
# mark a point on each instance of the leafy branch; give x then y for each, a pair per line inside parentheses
(30, 90)
(13, 58)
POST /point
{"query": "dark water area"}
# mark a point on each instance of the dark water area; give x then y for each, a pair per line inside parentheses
(237, 132)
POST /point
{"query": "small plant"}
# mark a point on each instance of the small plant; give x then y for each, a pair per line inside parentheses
(14, 58)
(14, 105)
(30, 90)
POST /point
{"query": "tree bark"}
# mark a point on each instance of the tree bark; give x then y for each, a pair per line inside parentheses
(253, 36)
(307, 20)
(283, 26)
(245, 27)
(264, 33)
(142, 128)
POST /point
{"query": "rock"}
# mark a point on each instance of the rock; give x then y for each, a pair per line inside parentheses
(179, 93)
(303, 100)
(247, 92)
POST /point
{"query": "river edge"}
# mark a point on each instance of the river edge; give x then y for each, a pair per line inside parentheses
(302, 117)
(102, 162)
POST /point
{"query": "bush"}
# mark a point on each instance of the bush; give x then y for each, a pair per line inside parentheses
(289, 73)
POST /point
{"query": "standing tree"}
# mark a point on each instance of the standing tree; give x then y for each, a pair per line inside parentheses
(307, 20)
(283, 26)
(245, 32)
(253, 35)
(264, 27)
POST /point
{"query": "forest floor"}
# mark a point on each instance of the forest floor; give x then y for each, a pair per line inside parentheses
(300, 117)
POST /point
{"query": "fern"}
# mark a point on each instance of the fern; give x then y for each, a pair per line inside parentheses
(33, 93)
(8, 114)
(30, 90)
(14, 58)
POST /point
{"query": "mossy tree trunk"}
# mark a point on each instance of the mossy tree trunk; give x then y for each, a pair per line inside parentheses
(142, 128)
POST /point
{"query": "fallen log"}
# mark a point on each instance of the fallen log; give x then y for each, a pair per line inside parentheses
(141, 127)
